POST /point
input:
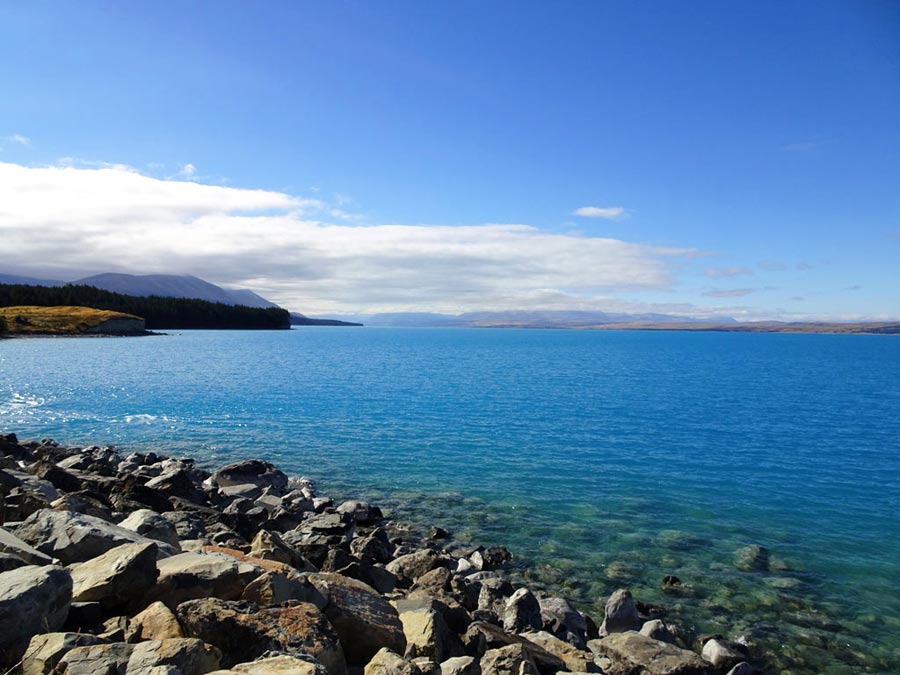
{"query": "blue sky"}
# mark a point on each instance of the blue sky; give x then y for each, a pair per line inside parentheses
(753, 147)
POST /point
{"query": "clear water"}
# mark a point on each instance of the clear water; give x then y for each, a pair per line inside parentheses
(604, 458)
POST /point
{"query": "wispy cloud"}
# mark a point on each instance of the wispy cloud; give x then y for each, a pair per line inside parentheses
(772, 265)
(18, 139)
(730, 293)
(727, 272)
(71, 218)
(187, 170)
(607, 212)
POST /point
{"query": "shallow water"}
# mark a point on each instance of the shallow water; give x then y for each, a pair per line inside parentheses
(604, 458)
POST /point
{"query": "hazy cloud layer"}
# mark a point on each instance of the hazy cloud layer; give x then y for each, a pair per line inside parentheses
(71, 219)
(727, 272)
(730, 292)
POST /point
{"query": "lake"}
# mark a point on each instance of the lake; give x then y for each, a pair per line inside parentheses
(604, 459)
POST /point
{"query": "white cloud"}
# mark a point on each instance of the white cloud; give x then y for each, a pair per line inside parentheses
(188, 170)
(68, 220)
(608, 212)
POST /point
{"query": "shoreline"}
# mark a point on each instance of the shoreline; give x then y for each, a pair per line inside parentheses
(437, 600)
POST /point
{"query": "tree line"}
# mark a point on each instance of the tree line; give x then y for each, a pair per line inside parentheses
(158, 312)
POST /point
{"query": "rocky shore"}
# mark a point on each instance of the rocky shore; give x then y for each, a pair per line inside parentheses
(149, 564)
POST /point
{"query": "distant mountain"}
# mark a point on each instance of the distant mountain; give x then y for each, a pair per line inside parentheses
(173, 286)
(298, 319)
(519, 319)
(28, 281)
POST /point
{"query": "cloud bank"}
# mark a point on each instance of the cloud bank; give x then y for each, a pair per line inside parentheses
(70, 220)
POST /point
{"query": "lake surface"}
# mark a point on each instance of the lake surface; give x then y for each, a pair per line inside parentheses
(603, 458)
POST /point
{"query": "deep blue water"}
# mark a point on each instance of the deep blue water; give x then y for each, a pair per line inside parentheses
(605, 458)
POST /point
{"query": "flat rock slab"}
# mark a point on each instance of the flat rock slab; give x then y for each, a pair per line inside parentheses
(116, 578)
(74, 537)
(244, 632)
(188, 576)
(13, 545)
(634, 654)
(274, 665)
(33, 599)
(364, 621)
(45, 651)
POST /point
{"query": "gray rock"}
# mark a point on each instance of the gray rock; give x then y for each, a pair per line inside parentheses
(8, 562)
(152, 525)
(630, 652)
(33, 600)
(101, 659)
(576, 660)
(481, 636)
(361, 512)
(13, 545)
(564, 621)
(254, 471)
(722, 654)
(74, 537)
(365, 622)
(187, 524)
(657, 630)
(410, 567)
(620, 614)
(46, 650)
(510, 660)
(116, 578)
(493, 594)
(461, 665)
(742, 668)
(522, 612)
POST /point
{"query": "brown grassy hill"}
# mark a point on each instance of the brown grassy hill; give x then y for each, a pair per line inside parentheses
(30, 320)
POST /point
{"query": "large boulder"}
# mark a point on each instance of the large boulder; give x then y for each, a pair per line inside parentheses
(13, 545)
(426, 631)
(386, 662)
(254, 471)
(576, 660)
(482, 636)
(201, 574)
(188, 656)
(410, 567)
(723, 654)
(461, 665)
(276, 588)
(75, 537)
(100, 659)
(620, 614)
(564, 621)
(365, 622)
(276, 665)
(156, 622)
(244, 632)
(150, 524)
(117, 577)
(522, 612)
(33, 599)
(631, 653)
(510, 660)
(270, 546)
(46, 650)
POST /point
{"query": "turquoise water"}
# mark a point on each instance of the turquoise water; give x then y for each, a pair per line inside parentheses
(604, 458)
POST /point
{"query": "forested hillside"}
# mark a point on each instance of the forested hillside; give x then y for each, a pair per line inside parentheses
(158, 312)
